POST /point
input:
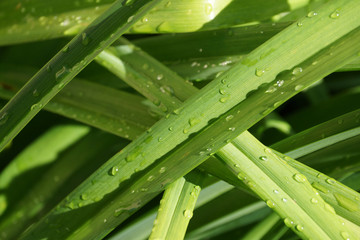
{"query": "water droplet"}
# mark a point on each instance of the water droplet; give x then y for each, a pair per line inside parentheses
(130, 18)
(61, 73)
(314, 201)
(164, 27)
(65, 49)
(345, 235)
(222, 91)
(298, 87)
(284, 200)
(84, 39)
(83, 196)
(263, 158)
(259, 72)
(208, 8)
(36, 107)
(188, 214)
(320, 187)
(270, 204)
(168, 4)
(329, 208)
(151, 178)
(185, 131)
(340, 121)
(223, 99)
(35, 93)
(171, 129)
(271, 89)
(3, 118)
(311, 14)
(167, 90)
(330, 181)
(347, 203)
(160, 139)
(159, 77)
(288, 222)
(299, 228)
(241, 176)
(223, 81)
(162, 170)
(177, 111)
(299, 177)
(194, 121)
(335, 14)
(297, 70)
(299, 24)
(279, 83)
(275, 191)
(229, 117)
(232, 129)
(114, 170)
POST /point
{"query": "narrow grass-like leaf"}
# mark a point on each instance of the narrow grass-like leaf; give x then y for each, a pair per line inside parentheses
(145, 222)
(64, 66)
(22, 22)
(114, 111)
(176, 210)
(49, 187)
(262, 228)
(293, 199)
(35, 157)
(230, 221)
(321, 136)
(343, 199)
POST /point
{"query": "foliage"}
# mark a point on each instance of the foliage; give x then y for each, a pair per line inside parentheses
(241, 116)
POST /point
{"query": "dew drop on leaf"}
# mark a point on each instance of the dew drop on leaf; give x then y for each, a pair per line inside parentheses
(188, 214)
(263, 158)
(83, 196)
(314, 201)
(347, 203)
(208, 8)
(61, 73)
(36, 107)
(297, 70)
(229, 117)
(335, 14)
(299, 177)
(330, 181)
(162, 170)
(270, 204)
(222, 91)
(298, 87)
(288, 222)
(3, 118)
(151, 178)
(114, 170)
(241, 176)
(84, 39)
(311, 14)
(345, 235)
(259, 72)
(299, 228)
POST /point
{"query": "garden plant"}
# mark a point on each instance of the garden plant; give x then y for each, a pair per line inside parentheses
(180, 119)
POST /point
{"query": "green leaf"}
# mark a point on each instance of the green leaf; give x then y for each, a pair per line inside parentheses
(284, 189)
(34, 157)
(67, 64)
